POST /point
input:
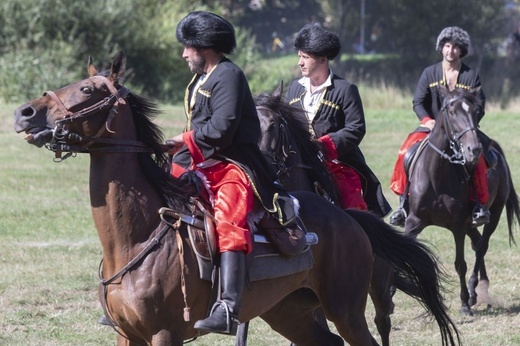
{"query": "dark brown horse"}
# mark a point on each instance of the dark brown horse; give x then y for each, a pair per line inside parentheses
(296, 155)
(440, 186)
(149, 275)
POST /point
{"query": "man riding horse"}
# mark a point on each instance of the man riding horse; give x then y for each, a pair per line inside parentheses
(453, 43)
(335, 113)
(220, 141)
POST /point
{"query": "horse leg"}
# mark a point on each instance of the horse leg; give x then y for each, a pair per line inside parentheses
(475, 237)
(381, 295)
(241, 338)
(294, 318)
(345, 307)
(461, 268)
(162, 338)
(481, 245)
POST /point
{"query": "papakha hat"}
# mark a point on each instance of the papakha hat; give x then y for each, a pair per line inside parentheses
(456, 36)
(201, 29)
(315, 39)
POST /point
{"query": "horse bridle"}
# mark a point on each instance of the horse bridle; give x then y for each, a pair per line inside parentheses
(453, 137)
(61, 137)
(283, 150)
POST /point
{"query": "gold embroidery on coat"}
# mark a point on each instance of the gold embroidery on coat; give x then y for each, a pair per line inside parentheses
(205, 93)
(329, 104)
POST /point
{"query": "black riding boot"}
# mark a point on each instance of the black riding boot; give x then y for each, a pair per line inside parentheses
(398, 217)
(224, 314)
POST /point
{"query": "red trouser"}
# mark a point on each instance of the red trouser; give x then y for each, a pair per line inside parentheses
(233, 200)
(399, 180)
(349, 185)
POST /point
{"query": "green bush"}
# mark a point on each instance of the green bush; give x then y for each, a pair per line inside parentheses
(26, 73)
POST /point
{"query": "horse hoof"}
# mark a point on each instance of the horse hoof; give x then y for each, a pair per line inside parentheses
(466, 311)
(472, 300)
(398, 218)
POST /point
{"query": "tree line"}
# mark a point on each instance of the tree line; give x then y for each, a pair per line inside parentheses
(45, 44)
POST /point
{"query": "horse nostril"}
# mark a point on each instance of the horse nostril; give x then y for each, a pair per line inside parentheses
(27, 112)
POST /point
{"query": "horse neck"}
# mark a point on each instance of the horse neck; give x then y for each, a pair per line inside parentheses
(296, 176)
(124, 204)
(297, 179)
(438, 136)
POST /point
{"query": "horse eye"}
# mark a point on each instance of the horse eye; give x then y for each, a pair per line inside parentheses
(86, 90)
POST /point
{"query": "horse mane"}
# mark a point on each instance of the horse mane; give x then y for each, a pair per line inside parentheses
(176, 193)
(309, 148)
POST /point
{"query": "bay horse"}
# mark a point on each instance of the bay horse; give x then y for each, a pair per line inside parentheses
(296, 155)
(149, 281)
(440, 189)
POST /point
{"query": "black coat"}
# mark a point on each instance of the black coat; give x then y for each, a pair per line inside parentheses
(223, 116)
(226, 127)
(427, 100)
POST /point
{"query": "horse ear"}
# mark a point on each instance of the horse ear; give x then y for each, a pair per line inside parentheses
(118, 67)
(443, 91)
(279, 91)
(92, 71)
(476, 90)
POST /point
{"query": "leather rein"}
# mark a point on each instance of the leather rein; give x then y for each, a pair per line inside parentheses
(62, 138)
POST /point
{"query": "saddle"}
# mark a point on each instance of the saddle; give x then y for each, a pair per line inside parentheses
(411, 155)
(277, 250)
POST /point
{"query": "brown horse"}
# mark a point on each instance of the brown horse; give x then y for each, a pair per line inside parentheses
(440, 186)
(288, 144)
(149, 276)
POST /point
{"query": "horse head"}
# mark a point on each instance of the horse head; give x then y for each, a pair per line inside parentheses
(290, 146)
(458, 121)
(77, 113)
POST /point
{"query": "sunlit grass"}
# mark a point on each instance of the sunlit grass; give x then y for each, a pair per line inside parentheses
(49, 249)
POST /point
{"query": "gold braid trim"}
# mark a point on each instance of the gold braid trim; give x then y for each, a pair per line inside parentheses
(458, 85)
(330, 104)
(295, 100)
(204, 93)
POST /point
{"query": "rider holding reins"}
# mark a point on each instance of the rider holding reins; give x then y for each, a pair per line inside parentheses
(336, 117)
(453, 43)
(220, 142)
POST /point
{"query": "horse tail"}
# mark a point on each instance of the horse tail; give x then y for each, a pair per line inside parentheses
(512, 204)
(512, 210)
(415, 269)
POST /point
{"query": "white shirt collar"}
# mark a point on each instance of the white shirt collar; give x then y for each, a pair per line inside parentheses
(306, 83)
(311, 101)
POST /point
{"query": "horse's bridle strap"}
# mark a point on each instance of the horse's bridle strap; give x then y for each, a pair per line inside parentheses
(58, 102)
(151, 244)
(61, 138)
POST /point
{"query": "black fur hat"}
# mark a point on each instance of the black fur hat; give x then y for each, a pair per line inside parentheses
(455, 35)
(314, 39)
(206, 30)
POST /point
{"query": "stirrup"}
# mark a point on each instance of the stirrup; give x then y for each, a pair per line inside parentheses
(231, 320)
(480, 216)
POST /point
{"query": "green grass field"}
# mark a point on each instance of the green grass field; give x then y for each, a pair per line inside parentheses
(49, 250)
